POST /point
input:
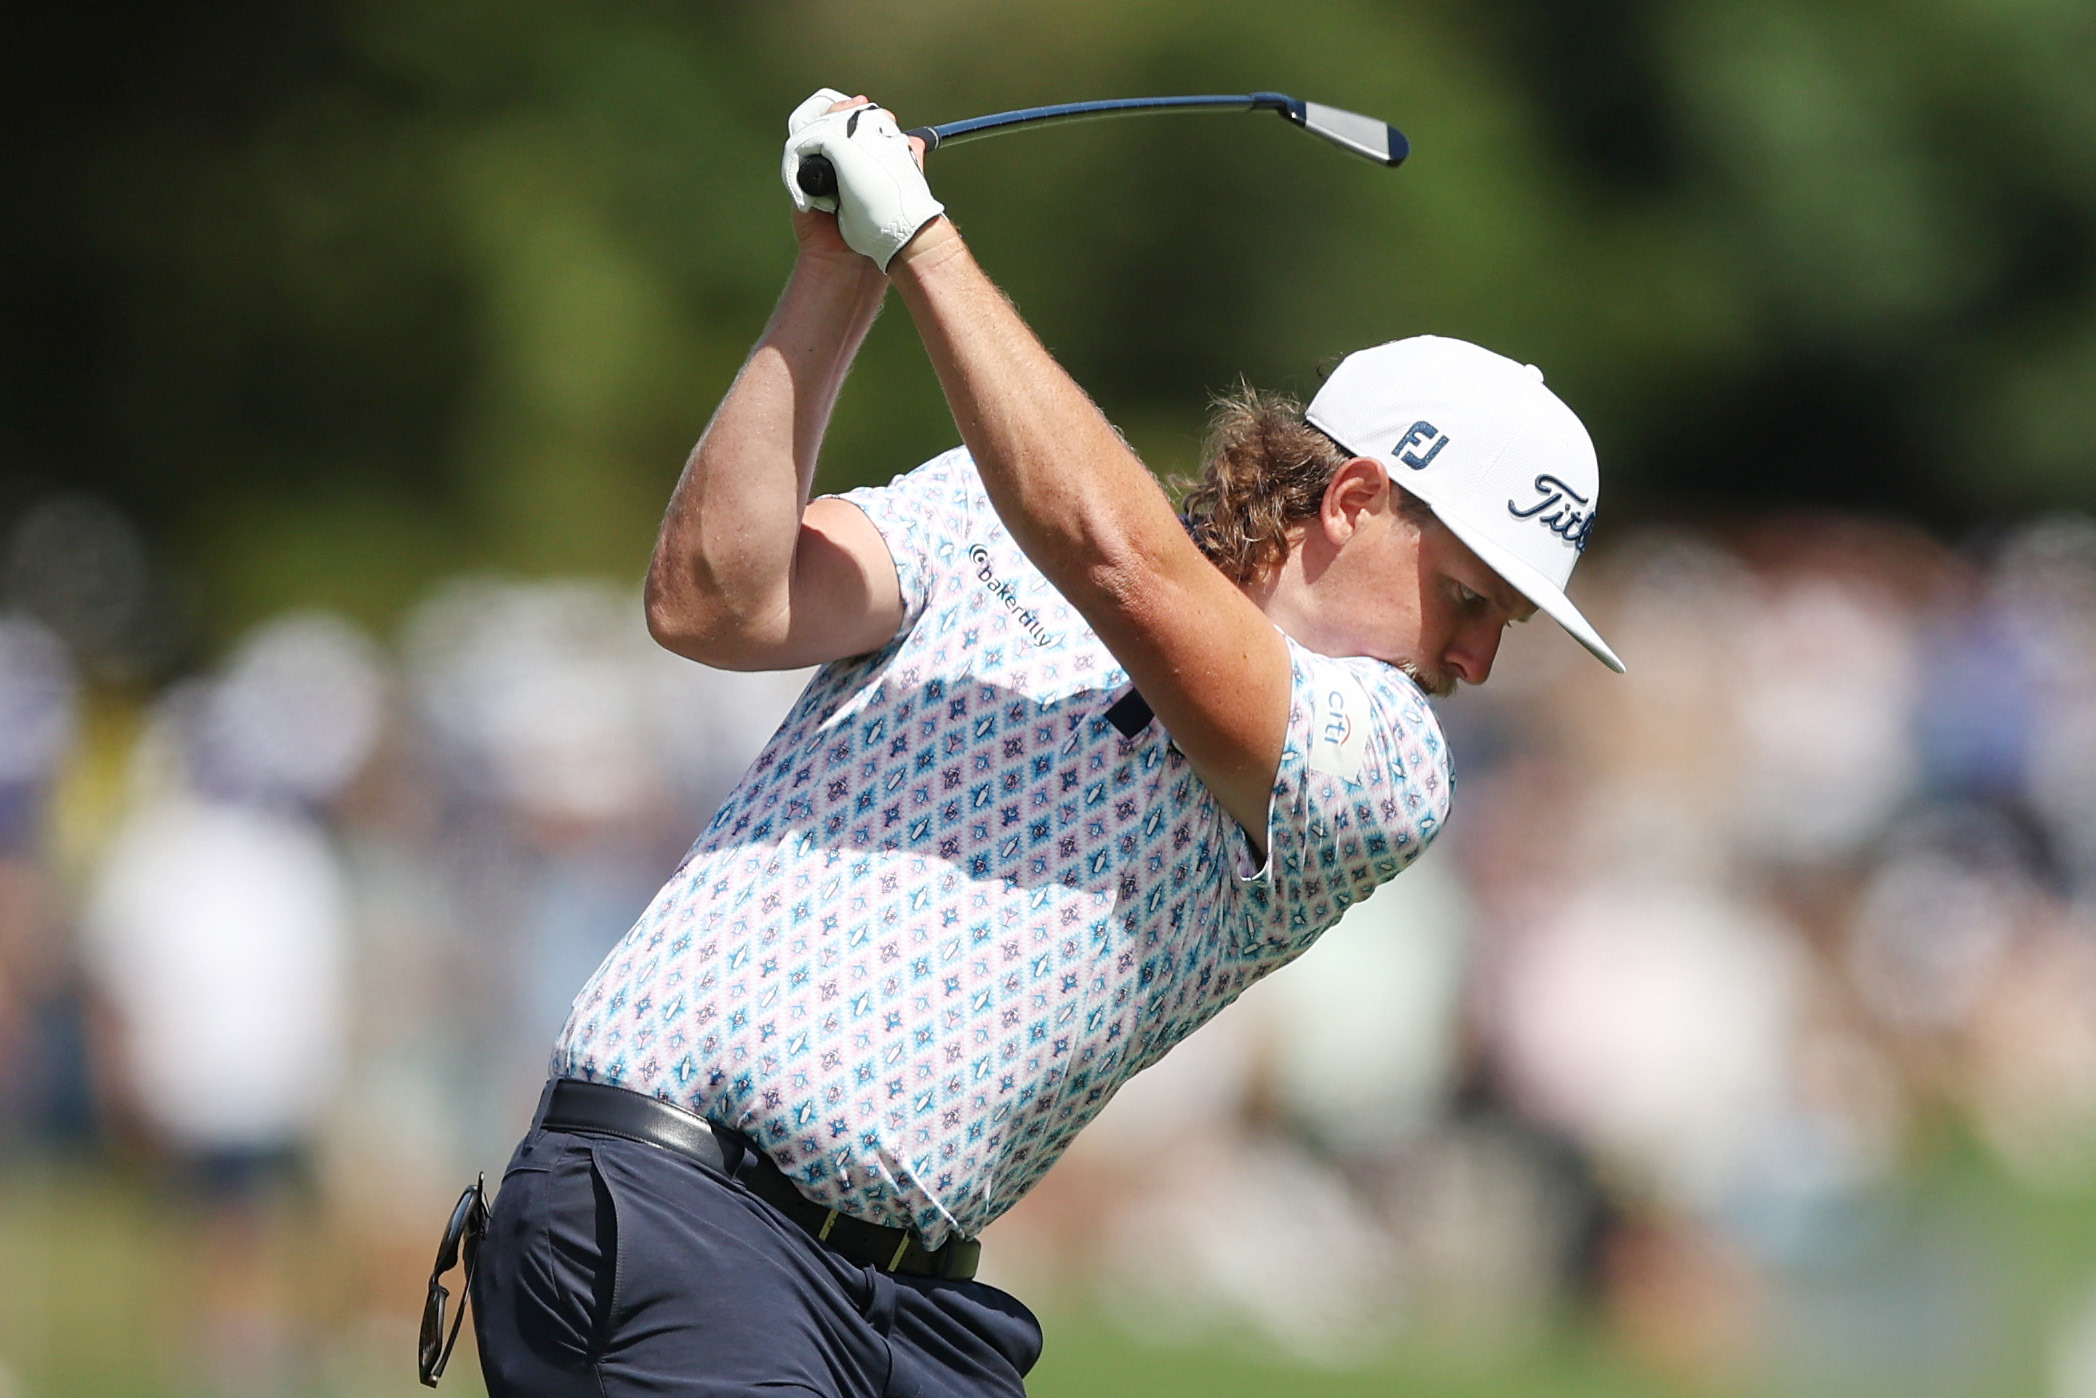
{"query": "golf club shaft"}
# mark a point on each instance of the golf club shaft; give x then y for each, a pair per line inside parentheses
(975, 128)
(816, 177)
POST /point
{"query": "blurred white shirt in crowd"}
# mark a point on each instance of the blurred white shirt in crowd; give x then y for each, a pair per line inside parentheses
(554, 695)
(220, 933)
(1826, 688)
(1364, 1027)
(1654, 1024)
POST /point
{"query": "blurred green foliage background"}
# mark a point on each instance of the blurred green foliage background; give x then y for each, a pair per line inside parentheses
(337, 298)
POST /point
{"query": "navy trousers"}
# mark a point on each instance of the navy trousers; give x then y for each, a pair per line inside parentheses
(612, 1268)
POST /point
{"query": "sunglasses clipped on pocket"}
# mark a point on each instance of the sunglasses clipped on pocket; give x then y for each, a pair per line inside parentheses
(469, 1222)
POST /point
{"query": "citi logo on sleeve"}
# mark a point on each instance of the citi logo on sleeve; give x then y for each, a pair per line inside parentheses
(1569, 524)
(1422, 431)
(1338, 724)
(1339, 720)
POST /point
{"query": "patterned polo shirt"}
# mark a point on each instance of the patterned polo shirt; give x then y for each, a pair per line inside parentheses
(953, 906)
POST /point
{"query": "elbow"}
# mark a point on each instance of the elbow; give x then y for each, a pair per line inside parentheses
(670, 623)
(679, 619)
(699, 628)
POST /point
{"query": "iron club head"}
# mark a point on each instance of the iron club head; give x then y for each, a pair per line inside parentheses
(1363, 135)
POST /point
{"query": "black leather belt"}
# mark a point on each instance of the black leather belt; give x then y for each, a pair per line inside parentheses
(614, 1111)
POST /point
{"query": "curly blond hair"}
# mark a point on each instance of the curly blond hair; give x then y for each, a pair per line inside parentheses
(1264, 471)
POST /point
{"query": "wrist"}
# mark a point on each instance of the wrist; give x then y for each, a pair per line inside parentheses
(934, 245)
(838, 261)
(841, 269)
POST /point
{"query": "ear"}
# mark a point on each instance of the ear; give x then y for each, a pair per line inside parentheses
(1358, 491)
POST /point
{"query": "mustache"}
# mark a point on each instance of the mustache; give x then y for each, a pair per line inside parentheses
(1437, 685)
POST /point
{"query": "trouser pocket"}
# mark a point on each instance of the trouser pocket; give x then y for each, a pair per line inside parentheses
(563, 1237)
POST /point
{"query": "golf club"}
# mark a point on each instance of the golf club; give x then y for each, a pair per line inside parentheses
(1364, 136)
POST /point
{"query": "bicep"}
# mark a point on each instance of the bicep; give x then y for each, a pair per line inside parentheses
(843, 596)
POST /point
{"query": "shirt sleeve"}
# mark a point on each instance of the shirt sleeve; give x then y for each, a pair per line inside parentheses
(1362, 788)
(920, 515)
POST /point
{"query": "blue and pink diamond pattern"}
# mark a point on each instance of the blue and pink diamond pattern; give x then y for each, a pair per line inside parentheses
(952, 907)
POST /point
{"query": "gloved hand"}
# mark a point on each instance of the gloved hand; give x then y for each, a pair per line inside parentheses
(882, 199)
(816, 107)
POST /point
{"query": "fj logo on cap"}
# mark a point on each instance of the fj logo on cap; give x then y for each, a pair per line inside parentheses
(1566, 522)
(1422, 431)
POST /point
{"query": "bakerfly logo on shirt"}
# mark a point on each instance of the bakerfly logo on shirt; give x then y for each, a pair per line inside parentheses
(1422, 432)
(1338, 725)
(1564, 520)
(1029, 620)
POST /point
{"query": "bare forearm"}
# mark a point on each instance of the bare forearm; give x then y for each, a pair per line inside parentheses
(1065, 484)
(719, 580)
(1095, 523)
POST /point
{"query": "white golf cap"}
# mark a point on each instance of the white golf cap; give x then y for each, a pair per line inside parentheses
(1504, 463)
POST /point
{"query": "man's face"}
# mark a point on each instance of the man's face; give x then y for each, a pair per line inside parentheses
(1368, 580)
(1454, 609)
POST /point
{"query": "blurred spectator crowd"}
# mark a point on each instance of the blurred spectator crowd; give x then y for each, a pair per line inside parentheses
(1712, 958)
(291, 937)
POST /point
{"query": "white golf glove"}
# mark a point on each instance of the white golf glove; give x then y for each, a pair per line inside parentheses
(882, 199)
(815, 108)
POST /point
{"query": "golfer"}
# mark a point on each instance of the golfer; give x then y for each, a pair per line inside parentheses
(1074, 773)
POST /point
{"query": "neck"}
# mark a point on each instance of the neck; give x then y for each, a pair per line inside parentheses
(1283, 593)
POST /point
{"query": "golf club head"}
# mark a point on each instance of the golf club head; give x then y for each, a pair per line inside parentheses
(1363, 135)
